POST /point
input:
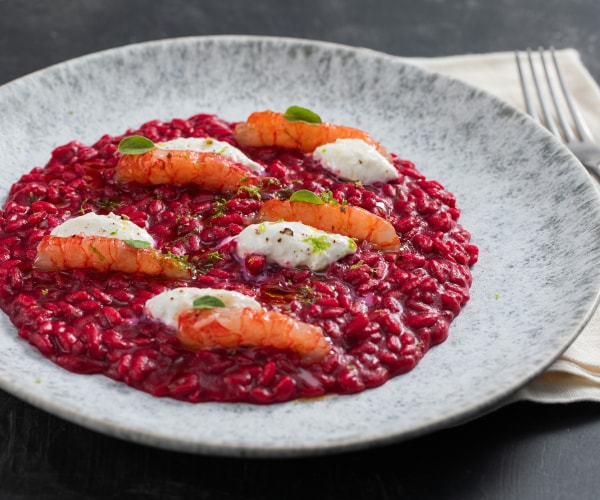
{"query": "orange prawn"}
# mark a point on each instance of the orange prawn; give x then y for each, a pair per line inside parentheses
(270, 128)
(162, 166)
(57, 253)
(347, 220)
(232, 327)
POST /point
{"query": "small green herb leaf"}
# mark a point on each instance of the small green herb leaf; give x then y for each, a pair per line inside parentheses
(98, 253)
(210, 260)
(319, 244)
(137, 243)
(358, 264)
(135, 145)
(306, 196)
(327, 197)
(208, 302)
(299, 114)
(253, 191)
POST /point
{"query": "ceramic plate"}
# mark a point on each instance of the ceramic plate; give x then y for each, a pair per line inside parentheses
(530, 207)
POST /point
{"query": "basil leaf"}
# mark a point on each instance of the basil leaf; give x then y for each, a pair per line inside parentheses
(306, 196)
(208, 302)
(135, 145)
(137, 243)
(298, 114)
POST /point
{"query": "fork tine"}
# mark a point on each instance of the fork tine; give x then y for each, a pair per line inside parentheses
(569, 128)
(566, 127)
(580, 125)
(575, 133)
(529, 106)
(548, 119)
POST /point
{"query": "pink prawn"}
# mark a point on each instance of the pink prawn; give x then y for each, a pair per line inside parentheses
(232, 327)
(348, 220)
(57, 253)
(162, 166)
(270, 128)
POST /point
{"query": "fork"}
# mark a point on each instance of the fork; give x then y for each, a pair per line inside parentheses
(574, 133)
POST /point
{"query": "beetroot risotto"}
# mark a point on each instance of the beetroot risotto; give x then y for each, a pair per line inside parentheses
(309, 260)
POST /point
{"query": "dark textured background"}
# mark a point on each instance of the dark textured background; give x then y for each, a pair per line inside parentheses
(525, 451)
(37, 33)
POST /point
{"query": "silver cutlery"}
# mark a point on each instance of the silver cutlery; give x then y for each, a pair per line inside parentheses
(559, 113)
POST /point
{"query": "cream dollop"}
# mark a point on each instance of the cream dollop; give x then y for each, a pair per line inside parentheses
(355, 160)
(109, 226)
(293, 244)
(210, 145)
(167, 306)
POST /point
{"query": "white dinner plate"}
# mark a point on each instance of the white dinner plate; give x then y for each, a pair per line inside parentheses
(531, 208)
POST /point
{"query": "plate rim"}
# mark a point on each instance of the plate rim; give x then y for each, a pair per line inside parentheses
(458, 417)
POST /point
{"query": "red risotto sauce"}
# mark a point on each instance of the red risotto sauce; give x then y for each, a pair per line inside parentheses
(381, 311)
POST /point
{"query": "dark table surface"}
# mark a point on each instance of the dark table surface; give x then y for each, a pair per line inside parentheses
(522, 451)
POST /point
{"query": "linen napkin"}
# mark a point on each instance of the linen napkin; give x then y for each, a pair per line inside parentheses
(575, 376)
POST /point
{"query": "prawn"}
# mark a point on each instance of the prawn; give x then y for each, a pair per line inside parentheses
(348, 220)
(162, 166)
(270, 128)
(57, 253)
(232, 327)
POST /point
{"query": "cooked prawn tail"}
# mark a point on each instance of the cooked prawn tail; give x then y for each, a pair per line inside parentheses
(57, 253)
(206, 169)
(270, 128)
(233, 327)
(347, 220)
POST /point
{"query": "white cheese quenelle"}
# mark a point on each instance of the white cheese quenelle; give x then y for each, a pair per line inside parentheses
(355, 160)
(293, 244)
(210, 145)
(109, 226)
(167, 306)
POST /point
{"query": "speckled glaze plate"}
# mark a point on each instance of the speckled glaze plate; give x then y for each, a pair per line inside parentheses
(530, 207)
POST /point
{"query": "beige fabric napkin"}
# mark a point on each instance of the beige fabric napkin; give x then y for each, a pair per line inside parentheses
(576, 375)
